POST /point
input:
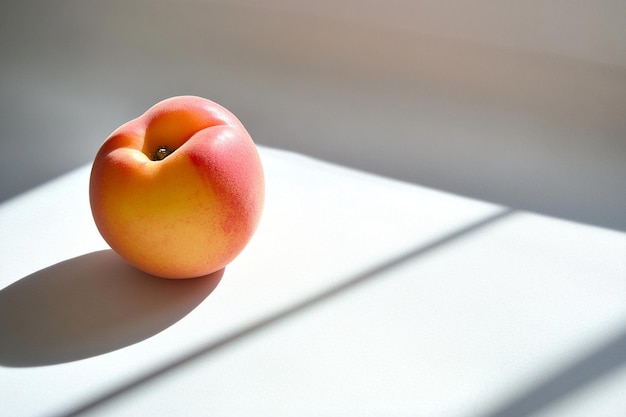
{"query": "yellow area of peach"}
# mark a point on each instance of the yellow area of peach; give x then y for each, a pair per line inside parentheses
(162, 216)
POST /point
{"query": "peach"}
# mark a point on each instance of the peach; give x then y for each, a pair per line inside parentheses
(178, 192)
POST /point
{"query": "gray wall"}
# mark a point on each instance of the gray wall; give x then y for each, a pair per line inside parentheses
(519, 103)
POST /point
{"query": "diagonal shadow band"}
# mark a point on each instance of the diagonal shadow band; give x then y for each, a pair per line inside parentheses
(608, 358)
(90, 305)
(313, 301)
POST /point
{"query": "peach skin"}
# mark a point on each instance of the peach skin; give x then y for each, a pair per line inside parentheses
(178, 192)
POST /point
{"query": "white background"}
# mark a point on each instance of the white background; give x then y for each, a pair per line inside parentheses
(519, 103)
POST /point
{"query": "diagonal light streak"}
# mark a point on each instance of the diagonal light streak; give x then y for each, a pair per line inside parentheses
(273, 319)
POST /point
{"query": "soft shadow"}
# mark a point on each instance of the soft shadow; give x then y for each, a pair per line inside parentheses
(313, 301)
(581, 374)
(90, 305)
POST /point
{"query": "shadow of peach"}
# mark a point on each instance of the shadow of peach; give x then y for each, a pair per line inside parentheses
(90, 305)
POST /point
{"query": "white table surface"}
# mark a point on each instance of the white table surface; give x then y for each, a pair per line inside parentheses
(358, 295)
